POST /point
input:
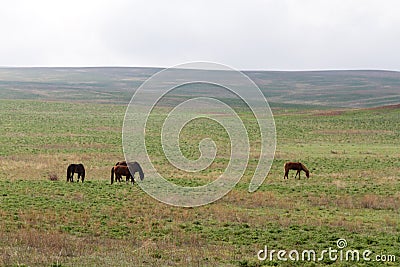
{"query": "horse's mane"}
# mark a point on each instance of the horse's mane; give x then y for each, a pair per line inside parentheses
(304, 168)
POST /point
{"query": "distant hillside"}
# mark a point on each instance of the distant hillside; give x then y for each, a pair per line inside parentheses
(332, 88)
(116, 85)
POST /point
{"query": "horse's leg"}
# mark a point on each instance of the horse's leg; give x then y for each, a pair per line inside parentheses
(133, 178)
(286, 174)
(68, 176)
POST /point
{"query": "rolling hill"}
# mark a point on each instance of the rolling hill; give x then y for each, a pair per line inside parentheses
(351, 89)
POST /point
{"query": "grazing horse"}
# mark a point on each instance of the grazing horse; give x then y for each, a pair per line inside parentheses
(75, 168)
(298, 166)
(120, 171)
(118, 177)
(124, 169)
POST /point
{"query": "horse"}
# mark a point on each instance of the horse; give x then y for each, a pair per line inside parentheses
(75, 168)
(119, 171)
(298, 166)
(118, 177)
(123, 168)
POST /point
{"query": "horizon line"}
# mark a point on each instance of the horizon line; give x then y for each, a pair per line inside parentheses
(160, 67)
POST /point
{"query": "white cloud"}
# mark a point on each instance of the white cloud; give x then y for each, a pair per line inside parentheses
(273, 34)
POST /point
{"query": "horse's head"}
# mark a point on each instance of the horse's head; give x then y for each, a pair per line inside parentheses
(308, 174)
(135, 167)
(141, 175)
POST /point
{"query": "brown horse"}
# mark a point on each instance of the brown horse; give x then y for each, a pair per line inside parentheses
(120, 171)
(298, 166)
(119, 177)
(124, 169)
(75, 168)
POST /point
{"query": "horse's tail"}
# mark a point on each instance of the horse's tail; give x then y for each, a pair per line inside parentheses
(68, 172)
(140, 170)
(305, 169)
(112, 175)
(285, 167)
(83, 172)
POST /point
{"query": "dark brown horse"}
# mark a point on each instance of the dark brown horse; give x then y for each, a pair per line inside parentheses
(126, 169)
(75, 168)
(298, 166)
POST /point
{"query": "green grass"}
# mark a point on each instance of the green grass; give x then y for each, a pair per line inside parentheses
(49, 127)
(353, 191)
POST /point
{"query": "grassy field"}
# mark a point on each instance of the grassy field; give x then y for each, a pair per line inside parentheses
(353, 192)
(353, 155)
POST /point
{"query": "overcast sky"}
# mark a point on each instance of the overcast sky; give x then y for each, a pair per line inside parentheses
(267, 35)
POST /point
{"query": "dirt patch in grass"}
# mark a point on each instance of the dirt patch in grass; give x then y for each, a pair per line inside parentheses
(41, 166)
(117, 128)
(353, 131)
(395, 106)
(329, 113)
